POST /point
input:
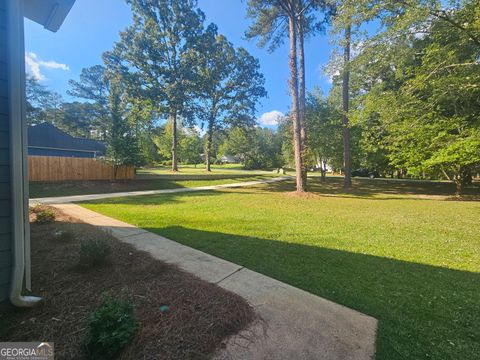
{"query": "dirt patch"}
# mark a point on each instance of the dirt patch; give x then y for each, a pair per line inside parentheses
(200, 318)
(302, 195)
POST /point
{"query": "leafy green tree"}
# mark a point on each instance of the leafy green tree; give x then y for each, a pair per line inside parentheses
(78, 119)
(190, 147)
(54, 108)
(75, 118)
(257, 148)
(94, 87)
(349, 17)
(347, 161)
(229, 88)
(325, 128)
(104, 115)
(236, 144)
(35, 94)
(153, 57)
(425, 90)
(190, 144)
(285, 131)
(107, 113)
(163, 136)
(122, 144)
(161, 143)
(143, 117)
(42, 105)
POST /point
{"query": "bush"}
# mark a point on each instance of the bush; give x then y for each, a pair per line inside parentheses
(44, 216)
(35, 208)
(94, 252)
(110, 328)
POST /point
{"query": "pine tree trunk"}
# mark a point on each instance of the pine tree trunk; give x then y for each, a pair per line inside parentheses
(174, 141)
(346, 98)
(208, 147)
(297, 139)
(302, 100)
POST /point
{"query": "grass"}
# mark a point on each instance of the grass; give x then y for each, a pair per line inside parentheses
(227, 169)
(398, 251)
(68, 188)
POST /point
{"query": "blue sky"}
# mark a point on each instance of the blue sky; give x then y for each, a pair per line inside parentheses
(93, 26)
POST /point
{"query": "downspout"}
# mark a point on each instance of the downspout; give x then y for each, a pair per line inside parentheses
(19, 189)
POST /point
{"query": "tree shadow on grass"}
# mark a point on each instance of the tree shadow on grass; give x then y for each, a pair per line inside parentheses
(196, 176)
(287, 187)
(382, 189)
(70, 188)
(424, 311)
(155, 199)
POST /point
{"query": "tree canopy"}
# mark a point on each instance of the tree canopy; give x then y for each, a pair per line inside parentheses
(153, 57)
(406, 97)
(230, 86)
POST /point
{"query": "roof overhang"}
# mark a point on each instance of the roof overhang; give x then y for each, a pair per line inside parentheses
(49, 13)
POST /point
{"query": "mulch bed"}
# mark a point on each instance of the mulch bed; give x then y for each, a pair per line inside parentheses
(201, 315)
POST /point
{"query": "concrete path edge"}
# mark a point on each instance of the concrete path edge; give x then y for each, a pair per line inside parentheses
(89, 197)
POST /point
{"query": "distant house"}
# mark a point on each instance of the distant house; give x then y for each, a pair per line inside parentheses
(47, 140)
(228, 159)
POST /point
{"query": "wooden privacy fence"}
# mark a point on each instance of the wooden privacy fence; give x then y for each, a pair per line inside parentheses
(55, 168)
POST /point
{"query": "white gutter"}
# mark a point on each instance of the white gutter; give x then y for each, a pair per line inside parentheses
(19, 189)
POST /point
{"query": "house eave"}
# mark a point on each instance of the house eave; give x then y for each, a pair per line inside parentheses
(49, 13)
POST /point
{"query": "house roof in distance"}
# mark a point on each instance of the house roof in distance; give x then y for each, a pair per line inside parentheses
(45, 135)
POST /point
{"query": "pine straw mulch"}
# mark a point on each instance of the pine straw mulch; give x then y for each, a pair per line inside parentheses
(200, 319)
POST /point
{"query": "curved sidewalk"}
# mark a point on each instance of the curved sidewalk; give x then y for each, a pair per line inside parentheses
(75, 198)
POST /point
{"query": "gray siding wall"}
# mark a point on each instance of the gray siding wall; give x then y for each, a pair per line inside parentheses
(5, 203)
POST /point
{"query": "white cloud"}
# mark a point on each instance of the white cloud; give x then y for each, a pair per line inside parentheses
(54, 65)
(35, 65)
(270, 118)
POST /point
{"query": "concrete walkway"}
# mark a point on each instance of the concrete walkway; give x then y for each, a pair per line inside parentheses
(294, 324)
(74, 198)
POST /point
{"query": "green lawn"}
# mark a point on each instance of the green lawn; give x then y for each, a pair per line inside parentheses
(227, 169)
(68, 188)
(411, 262)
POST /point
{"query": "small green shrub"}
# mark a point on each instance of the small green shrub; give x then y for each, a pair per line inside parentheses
(45, 216)
(110, 328)
(35, 208)
(94, 252)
